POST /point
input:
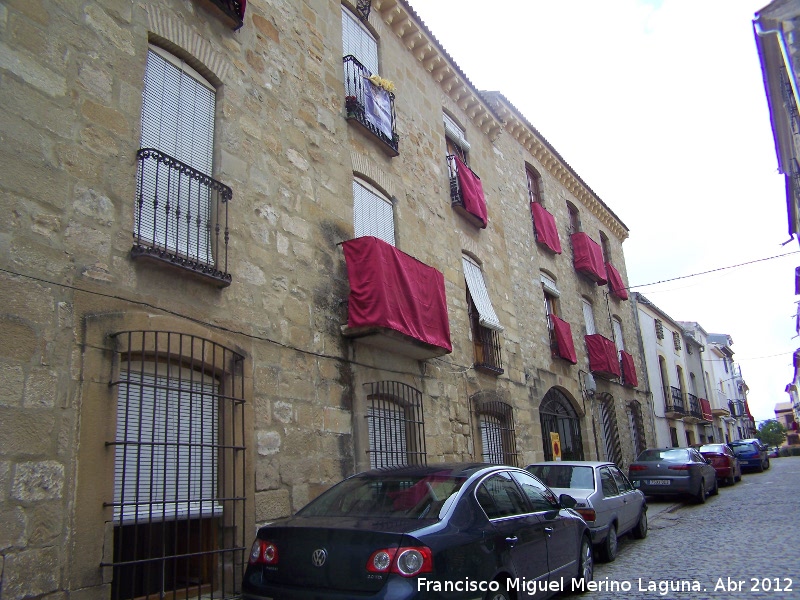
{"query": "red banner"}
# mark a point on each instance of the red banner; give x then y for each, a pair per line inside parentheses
(471, 192)
(545, 225)
(587, 257)
(602, 356)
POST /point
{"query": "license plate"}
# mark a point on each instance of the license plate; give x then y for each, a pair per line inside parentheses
(658, 482)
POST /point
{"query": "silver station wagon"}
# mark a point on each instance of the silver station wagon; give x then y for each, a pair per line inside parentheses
(606, 499)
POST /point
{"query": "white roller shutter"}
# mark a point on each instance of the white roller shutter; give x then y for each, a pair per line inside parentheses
(454, 131)
(358, 41)
(588, 317)
(373, 214)
(178, 108)
(480, 295)
(387, 436)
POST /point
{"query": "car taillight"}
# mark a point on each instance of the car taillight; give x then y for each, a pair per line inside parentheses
(263, 553)
(637, 468)
(588, 514)
(679, 468)
(404, 561)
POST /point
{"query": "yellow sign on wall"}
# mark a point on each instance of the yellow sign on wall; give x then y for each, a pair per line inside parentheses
(555, 445)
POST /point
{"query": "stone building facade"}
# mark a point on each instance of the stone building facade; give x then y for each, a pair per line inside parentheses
(180, 359)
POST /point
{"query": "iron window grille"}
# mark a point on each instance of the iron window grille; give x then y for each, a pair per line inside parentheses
(355, 82)
(181, 216)
(676, 340)
(485, 341)
(233, 9)
(558, 416)
(178, 510)
(659, 329)
(498, 437)
(694, 406)
(608, 418)
(395, 425)
(637, 427)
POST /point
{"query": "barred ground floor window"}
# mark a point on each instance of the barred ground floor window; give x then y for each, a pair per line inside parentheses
(179, 468)
(496, 429)
(395, 425)
(557, 415)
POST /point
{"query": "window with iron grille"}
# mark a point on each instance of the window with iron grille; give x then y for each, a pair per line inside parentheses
(608, 418)
(484, 325)
(181, 214)
(558, 416)
(574, 219)
(498, 438)
(179, 468)
(637, 427)
(659, 329)
(373, 213)
(551, 295)
(676, 340)
(534, 185)
(395, 425)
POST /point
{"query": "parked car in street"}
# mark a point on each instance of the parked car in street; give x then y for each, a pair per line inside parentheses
(773, 452)
(402, 533)
(752, 454)
(607, 500)
(674, 472)
(724, 460)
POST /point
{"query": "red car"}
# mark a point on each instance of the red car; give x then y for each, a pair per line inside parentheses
(724, 461)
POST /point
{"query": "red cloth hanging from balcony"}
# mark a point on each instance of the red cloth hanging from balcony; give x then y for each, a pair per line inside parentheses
(628, 369)
(563, 334)
(389, 288)
(705, 408)
(471, 192)
(242, 8)
(602, 356)
(615, 282)
(545, 225)
(587, 257)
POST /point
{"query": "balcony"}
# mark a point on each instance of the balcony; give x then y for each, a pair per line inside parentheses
(369, 106)
(396, 302)
(737, 408)
(603, 358)
(629, 377)
(587, 258)
(232, 11)
(544, 228)
(615, 283)
(694, 412)
(181, 218)
(486, 343)
(466, 192)
(674, 407)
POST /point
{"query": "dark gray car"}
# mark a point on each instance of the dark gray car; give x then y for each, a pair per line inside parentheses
(674, 472)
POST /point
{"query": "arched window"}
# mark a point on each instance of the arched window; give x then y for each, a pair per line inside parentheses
(534, 185)
(395, 425)
(557, 415)
(496, 425)
(574, 218)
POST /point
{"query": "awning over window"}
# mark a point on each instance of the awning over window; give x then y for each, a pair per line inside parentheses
(602, 356)
(471, 192)
(705, 408)
(587, 257)
(563, 335)
(389, 288)
(615, 283)
(545, 226)
(628, 369)
(480, 295)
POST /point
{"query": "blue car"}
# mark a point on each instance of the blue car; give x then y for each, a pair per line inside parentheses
(752, 454)
(438, 531)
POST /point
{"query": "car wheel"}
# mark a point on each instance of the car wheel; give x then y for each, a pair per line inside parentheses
(701, 493)
(767, 467)
(760, 467)
(501, 594)
(738, 477)
(639, 532)
(715, 491)
(585, 568)
(608, 551)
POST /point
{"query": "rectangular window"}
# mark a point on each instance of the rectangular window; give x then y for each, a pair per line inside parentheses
(395, 425)
(373, 213)
(588, 317)
(659, 329)
(676, 340)
(357, 41)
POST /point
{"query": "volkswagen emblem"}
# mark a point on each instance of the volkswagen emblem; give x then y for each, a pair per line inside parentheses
(318, 557)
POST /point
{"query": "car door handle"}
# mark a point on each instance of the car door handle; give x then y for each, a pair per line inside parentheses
(548, 530)
(512, 540)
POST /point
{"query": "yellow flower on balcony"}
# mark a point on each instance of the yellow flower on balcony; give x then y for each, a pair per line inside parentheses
(381, 82)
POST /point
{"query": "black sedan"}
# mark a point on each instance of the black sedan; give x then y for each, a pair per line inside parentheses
(440, 531)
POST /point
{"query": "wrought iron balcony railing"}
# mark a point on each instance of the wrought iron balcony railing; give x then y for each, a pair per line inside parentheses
(674, 401)
(695, 410)
(233, 10)
(181, 217)
(355, 105)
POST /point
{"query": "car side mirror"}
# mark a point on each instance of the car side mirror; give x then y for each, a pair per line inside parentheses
(567, 501)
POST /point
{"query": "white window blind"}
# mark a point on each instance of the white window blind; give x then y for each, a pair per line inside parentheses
(550, 286)
(373, 214)
(165, 464)
(359, 42)
(455, 132)
(387, 436)
(588, 317)
(178, 108)
(618, 335)
(480, 295)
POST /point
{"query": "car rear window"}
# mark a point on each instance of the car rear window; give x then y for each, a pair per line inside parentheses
(719, 448)
(414, 497)
(668, 455)
(744, 448)
(564, 476)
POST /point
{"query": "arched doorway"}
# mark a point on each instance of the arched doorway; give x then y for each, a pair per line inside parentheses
(557, 415)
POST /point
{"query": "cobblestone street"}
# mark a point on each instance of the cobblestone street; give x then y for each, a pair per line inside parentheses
(740, 544)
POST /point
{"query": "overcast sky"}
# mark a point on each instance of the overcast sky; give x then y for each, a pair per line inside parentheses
(659, 106)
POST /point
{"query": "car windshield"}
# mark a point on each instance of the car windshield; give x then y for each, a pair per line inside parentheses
(564, 476)
(744, 448)
(396, 496)
(668, 455)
